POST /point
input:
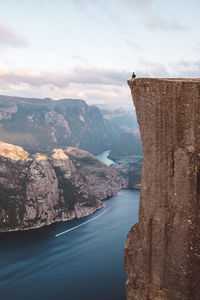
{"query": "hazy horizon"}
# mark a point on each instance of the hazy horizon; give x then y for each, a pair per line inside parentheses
(88, 49)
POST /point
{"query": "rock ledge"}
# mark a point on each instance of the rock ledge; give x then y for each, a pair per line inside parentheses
(162, 252)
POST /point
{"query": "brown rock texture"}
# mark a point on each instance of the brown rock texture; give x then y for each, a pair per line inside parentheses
(162, 252)
(37, 190)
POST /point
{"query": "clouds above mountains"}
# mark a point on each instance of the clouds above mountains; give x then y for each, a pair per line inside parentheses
(9, 38)
(89, 76)
(92, 84)
(89, 48)
(95, 85)
(93, 76)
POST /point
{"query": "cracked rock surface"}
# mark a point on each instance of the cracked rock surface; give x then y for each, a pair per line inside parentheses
(162, 252)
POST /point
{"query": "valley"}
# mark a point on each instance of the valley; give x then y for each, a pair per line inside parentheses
(82, 256)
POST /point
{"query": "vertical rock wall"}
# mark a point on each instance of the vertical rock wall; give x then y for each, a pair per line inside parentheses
(162, 252)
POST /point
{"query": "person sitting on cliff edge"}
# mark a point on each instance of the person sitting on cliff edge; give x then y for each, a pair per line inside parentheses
(131, 82)
(133, 75)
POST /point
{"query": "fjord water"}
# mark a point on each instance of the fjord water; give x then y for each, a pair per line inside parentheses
(104, 158)
(83, 264)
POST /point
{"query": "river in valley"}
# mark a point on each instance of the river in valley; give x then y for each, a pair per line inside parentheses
(104, 158)
(85, 262)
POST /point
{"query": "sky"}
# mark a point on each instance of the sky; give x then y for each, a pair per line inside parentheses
(87, 49)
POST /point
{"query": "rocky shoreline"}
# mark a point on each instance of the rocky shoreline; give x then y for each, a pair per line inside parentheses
(38, 190)
(82, 213)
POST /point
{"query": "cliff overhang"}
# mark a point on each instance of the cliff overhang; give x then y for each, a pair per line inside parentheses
(162, 252)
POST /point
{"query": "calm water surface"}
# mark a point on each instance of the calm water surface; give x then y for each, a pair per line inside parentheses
(104, 157)
(83, 264)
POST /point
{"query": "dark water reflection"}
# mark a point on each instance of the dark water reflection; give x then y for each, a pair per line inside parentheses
(83, 264)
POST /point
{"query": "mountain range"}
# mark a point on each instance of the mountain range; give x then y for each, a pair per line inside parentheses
(40, 125)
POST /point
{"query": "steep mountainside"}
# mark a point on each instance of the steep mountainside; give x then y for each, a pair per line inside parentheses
(43, 124)
(162, 252)
(37, 190)
(130, 173)
(124, 119)
(128, 146)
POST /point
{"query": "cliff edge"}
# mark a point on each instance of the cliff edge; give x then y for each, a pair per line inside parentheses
(162, 252)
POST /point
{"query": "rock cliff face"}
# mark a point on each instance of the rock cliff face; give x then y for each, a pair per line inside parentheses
(40, 125)
(162, 252)
(37, 190)
(130, 173)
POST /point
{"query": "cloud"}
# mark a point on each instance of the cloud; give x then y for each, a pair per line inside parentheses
(153, 69)
(197, 47)
(61, 80)
(141, 5)
(188, 69)
(95, 85)
(180, 69)
(134, 45)
(9, 38)
(94, 78)
(152, 20)
(78, 58)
